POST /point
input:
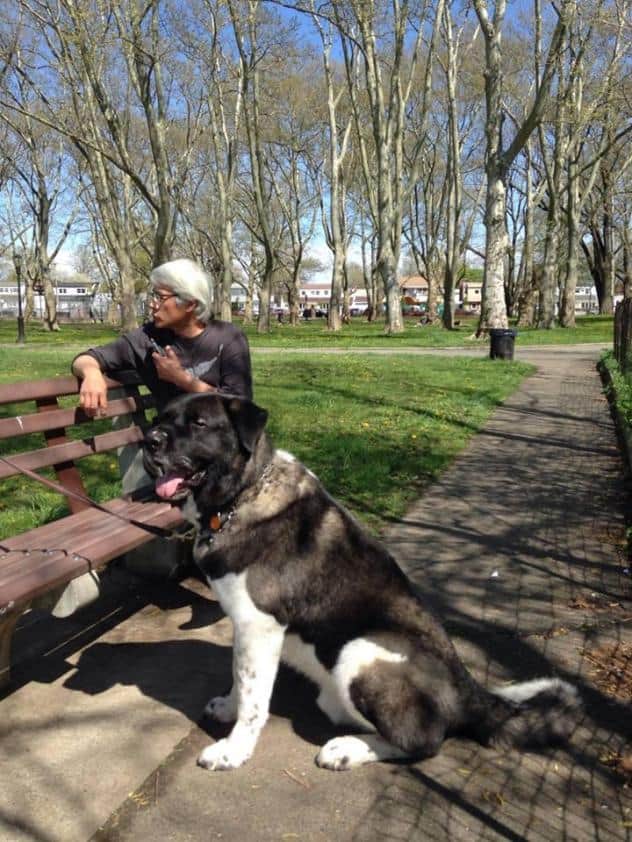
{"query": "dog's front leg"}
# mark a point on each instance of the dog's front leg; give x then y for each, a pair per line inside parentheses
(256, 654)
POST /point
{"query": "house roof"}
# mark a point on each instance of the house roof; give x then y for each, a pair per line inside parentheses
(413, 282)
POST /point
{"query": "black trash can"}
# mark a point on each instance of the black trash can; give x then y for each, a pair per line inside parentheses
(502, 343)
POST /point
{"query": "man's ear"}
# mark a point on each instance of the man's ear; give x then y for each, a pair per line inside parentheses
(248, 420)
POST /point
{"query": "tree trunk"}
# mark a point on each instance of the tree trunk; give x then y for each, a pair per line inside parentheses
(550, 272)
(50, 301)
(526, 300)
(493, 308)
(387, 270)
(265, 295)
(226, 280)
(335, 301)
(127, 300)
(569, 289)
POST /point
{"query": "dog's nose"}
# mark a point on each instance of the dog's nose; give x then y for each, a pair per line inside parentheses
(155, 439)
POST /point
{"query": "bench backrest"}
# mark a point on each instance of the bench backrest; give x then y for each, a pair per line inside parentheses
(48, 417)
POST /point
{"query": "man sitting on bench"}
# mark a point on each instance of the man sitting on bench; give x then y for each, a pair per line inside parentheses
(183, 349)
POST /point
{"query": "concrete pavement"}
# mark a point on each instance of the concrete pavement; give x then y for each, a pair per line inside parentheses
(519, 547)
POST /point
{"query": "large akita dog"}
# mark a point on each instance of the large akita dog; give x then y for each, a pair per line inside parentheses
(303, 581)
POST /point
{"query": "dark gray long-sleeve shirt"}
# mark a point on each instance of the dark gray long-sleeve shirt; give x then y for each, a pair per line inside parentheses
(219, 356)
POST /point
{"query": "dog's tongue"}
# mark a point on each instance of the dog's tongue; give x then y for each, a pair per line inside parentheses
(167, 485)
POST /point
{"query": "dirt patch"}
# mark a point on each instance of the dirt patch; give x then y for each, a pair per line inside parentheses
(595, 602)
(621, 762)
(611, 669)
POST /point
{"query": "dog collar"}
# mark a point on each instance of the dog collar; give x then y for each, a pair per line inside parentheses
(216, 522)
(219, 519)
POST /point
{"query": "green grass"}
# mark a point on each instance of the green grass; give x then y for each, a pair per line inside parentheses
(588, 329)
(83, 335)
(359, 334)
(619, 391)
(621, 388)
(376, 430)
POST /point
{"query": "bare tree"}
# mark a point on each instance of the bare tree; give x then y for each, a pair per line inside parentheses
(498, 155)
(389, 76)
(598, 147)
(209, 206)
(458, 224)
(108, 59)
(294, 128)
(248, 28)
(339, 134)
(39, 170)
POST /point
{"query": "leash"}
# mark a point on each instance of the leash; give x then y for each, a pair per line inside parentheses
(215, 524)
(158, 531)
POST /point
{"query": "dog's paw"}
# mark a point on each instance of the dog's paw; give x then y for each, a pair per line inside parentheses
(344, 753)
(221, 756)
(222, 708)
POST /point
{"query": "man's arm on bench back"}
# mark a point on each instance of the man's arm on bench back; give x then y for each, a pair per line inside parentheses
(93, 393)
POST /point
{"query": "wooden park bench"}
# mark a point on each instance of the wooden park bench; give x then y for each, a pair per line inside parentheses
(49, 556)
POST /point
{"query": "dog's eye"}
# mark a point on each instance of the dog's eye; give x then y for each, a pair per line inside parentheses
(199, 422)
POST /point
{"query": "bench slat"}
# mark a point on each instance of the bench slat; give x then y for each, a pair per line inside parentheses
(38, 422)
(33, 389)
(90, 538)
(51, 388)
(46, 457)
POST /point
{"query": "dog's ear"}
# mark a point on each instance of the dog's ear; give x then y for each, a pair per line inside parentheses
(248, 420)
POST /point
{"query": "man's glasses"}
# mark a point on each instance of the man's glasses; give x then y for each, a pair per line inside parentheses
(159, 298)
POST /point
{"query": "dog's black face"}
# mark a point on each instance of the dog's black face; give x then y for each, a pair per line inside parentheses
(200, 445)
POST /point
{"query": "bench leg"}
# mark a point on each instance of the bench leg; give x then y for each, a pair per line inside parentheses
(7, 626)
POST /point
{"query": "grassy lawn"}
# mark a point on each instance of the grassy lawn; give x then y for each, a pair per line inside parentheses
(359, 334)
(375, 430)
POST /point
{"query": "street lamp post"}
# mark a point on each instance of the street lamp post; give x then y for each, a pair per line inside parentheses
(17, 262)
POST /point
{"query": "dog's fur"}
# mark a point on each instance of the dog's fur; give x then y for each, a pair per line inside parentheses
(302, 581)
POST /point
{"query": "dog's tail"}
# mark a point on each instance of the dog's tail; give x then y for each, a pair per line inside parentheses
(530, 714)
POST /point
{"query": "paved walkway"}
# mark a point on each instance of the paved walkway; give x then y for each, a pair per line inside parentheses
(519, 547)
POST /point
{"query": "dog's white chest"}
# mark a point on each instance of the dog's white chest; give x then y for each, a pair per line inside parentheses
(232, 593)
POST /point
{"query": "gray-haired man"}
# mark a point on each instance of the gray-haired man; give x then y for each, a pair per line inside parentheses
(181, 350)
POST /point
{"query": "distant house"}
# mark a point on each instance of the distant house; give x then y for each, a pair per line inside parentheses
(471, 295)
(415, 287)
(315, 294)
(586, 300)
(467, 295)
(73, 298)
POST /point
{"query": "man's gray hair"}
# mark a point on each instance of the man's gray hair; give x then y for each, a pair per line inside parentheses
(188, 281)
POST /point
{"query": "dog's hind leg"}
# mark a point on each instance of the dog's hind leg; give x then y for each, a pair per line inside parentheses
(302, 657)
(343, 753)
(387, 693)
